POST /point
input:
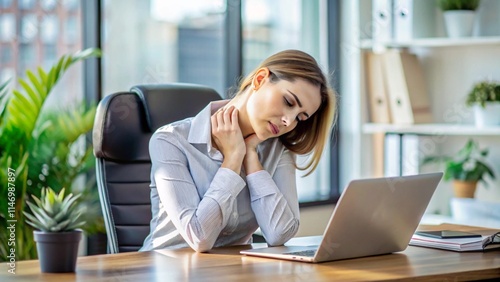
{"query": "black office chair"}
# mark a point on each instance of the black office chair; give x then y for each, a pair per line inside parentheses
(123, 125)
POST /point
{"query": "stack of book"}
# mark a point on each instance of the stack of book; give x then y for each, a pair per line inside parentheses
(485, 242)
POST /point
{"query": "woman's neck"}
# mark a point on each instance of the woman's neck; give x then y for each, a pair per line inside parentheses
(240, 102)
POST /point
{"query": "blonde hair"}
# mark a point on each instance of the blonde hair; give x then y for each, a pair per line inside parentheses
(311, 135)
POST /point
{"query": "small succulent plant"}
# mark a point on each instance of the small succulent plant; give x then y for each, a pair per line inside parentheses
(55, 212)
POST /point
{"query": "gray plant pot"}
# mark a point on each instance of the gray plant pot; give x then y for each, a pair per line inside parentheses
(57, 251)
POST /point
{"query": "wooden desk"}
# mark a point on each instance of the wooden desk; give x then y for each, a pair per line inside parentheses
(226, 264)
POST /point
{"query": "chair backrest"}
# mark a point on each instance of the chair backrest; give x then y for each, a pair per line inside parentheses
(123, 125)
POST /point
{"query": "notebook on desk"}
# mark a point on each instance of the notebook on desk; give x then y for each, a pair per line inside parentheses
(372, 217)
(488, 239)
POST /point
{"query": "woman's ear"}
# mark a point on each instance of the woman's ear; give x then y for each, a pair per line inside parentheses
(259, 78)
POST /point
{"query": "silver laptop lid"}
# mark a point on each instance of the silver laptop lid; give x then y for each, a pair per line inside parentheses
(377, 216)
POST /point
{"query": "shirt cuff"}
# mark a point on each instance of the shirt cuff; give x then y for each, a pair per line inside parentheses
(220, 188)
(260, 184)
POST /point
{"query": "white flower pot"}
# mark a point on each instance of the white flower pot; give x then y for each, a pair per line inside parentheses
(459, 23)
(487, 116)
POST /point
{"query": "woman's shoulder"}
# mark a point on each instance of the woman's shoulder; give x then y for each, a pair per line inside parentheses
(272, 146)
(175, 131)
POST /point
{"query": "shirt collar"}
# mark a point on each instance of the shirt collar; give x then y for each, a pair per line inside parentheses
(201, 127)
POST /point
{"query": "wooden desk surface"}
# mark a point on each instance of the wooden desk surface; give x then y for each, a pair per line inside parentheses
(226, 264)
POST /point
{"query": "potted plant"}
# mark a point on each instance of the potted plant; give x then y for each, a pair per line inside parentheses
(459, 16)
(57, 218)
(40, 147)
(485, 100)
(465, 168)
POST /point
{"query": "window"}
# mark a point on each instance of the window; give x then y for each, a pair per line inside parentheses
(48, 5)
(49, 29)
(29, 28)
(162, 43)
(296, 26)
(26, 4)
(155, 41)
(5, 3)
(39, 41)
(7, 27)
(6, 55)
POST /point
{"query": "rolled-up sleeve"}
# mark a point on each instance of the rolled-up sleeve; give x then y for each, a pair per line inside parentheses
(274, 201)
(198, 220)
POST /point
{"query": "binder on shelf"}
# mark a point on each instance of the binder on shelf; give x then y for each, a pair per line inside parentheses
(382, 20)
(376, 89)
(407, 93)
(488, 240)
(378, 152)
(414, 19)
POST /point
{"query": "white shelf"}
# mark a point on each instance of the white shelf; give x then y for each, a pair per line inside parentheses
(431, 129)
(433, 42)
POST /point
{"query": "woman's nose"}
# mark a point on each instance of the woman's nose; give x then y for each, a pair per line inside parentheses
(287, 119)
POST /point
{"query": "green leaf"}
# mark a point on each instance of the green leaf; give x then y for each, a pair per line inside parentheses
(37, 225)
(43, 80)
(87, 53)
(3, 88)
(3, 99)
(62, 214)
(68, 202)
(32, 93)
(32, 218)
(28, 106)
(48, 204)
(37, 201)
(60, 197)
(66, 63)
(61, 226)
(38, 83)
(466, 165)
(41, 215)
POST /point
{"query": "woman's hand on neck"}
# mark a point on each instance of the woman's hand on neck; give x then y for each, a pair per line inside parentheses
(227, 137)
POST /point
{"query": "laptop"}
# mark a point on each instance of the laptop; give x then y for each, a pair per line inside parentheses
(372, 217)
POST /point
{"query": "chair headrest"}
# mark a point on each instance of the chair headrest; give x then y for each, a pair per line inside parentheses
(125, 121)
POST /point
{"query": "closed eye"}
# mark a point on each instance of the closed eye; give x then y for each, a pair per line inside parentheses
(298, 118)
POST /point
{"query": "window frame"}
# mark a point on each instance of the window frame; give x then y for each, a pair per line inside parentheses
(92, 33)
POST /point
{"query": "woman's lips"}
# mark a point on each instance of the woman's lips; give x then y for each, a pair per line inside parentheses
(274, 129)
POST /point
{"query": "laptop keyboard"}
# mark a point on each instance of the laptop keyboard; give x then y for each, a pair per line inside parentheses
(306, 253)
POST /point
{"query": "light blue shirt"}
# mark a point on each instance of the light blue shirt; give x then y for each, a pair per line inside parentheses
(197, 203)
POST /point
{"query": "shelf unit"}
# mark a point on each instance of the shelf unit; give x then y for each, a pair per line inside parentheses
(426, 130)
(451, 66)
(434, 42)
(432, 129)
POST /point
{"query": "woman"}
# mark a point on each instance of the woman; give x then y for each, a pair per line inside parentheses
(217, 177)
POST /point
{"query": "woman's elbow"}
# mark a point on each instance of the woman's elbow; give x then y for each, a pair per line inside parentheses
(280, 238)
(201, 246)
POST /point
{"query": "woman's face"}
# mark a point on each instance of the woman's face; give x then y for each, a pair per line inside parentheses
(275, 108)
